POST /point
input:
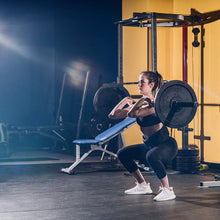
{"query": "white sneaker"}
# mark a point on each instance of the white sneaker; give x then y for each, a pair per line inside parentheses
(139, 189)
(165, 194)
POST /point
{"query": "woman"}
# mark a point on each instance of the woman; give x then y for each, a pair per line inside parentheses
(158, 147)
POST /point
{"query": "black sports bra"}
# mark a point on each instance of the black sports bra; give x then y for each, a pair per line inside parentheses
(148, 120)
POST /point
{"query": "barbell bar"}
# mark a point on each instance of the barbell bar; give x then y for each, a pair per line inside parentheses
(175, 102)
(133, 83)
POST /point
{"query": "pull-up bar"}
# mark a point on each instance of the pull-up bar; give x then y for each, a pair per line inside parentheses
(154, 20)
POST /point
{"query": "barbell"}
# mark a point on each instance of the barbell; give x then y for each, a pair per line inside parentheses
(175, 102)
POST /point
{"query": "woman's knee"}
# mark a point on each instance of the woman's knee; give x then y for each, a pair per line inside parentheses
(173, 147)
(122, 153)
(119, 153)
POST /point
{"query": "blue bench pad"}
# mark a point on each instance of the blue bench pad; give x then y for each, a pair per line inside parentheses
(86, 141)
(114, 130)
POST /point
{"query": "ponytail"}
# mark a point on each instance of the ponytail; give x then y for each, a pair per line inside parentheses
(159, 81)
(154, 77)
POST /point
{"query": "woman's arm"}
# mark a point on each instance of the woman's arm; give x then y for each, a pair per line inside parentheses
(140, 109)
(119, 111)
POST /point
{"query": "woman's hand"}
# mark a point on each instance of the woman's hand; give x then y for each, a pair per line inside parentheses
(129, 101)
(150, 102)
(120, 110)
(141, 109)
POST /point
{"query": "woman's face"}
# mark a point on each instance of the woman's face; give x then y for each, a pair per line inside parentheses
(145, 88)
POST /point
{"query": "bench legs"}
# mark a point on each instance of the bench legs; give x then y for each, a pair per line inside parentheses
(69, 170)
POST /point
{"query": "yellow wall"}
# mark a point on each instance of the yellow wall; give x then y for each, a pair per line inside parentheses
(169, 56)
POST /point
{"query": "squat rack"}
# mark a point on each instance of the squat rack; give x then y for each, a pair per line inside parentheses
(154, 20)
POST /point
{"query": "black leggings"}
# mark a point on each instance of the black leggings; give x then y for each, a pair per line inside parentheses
(155, 156)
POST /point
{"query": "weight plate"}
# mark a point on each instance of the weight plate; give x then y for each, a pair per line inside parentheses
(187, 159)
(107, 97)
(188, 152)
(97, 125)
(175, 91)
(188, 164)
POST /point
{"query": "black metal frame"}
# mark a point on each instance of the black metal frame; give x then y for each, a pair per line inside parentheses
(154, 20)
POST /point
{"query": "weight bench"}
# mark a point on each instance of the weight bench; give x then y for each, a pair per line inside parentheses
(98, 142)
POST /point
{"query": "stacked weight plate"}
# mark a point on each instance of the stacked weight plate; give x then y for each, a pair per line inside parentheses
(187, 161)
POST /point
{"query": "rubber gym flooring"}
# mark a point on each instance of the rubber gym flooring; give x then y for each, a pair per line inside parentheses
(32, 191)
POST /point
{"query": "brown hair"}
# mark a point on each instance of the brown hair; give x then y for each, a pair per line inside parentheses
(154, 77)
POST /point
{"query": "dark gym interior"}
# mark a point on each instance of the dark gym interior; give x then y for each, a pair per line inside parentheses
(55, 57)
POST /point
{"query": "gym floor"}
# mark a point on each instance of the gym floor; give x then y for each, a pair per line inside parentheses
(38, 190)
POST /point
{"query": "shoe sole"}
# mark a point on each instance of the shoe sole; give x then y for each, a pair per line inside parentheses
(161, 200)
(138, 193)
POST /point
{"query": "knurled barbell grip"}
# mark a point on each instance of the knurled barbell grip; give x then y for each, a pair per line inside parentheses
(129, 83)
(132, 83)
